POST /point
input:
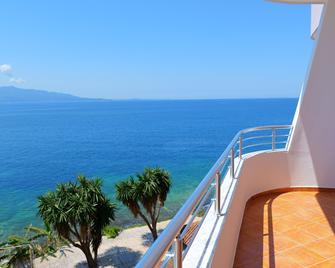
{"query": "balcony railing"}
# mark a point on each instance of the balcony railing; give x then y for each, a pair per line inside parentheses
(170, 248)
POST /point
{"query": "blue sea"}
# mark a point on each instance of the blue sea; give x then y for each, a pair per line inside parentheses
(45, 144)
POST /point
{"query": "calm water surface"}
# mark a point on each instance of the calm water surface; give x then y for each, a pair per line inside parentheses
(44, 144)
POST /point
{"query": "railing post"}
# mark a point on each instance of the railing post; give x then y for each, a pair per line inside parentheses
(240, 147)
(232, 166)
(218, 193)
(178, 252)
(273, 139)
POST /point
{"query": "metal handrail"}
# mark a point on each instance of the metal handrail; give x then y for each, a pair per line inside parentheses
(264, 137)
(171, 234)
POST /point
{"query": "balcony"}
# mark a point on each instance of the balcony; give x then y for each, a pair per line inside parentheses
(211, 203)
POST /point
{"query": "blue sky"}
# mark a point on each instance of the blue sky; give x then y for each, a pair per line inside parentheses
(158, 49)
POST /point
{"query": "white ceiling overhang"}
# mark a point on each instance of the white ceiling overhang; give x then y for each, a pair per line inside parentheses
(316, 12)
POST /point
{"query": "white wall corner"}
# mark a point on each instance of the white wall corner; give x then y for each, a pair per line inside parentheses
(316, 13)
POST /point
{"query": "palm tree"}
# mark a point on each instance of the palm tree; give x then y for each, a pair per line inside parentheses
(147, 193)
(78, 212)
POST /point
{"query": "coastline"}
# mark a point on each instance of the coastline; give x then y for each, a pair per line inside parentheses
(123, 251)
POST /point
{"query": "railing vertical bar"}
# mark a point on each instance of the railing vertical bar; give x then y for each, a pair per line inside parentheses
(273, 139)
(240, 151)
(178, 254)
(218, 193)
(232, 164)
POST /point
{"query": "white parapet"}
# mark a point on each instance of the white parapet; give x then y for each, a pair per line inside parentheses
(203, 247)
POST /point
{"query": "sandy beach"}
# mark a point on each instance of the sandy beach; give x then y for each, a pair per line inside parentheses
(123, 251)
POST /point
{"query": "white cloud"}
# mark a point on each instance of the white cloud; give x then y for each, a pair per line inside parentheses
(5, 68)
(16, 80)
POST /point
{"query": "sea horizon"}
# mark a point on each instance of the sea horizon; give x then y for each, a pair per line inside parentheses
(47, 143)
(75, 98)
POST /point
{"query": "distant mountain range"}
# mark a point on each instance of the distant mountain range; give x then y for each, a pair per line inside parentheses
(18, 95)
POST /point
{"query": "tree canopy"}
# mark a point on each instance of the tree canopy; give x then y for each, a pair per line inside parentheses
(78, 211)
(145, 195)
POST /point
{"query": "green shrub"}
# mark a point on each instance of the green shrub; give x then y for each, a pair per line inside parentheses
(111, 231)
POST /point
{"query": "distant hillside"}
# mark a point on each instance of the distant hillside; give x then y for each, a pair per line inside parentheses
(14, 94)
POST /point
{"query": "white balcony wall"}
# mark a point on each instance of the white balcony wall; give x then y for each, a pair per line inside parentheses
(259, 173)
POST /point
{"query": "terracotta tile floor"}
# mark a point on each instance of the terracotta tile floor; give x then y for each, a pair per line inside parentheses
(293, 229)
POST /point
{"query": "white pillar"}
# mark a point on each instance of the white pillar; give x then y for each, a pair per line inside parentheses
(312, 149)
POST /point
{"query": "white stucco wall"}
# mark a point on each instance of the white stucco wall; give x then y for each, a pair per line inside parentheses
(312, 148)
